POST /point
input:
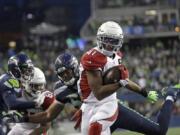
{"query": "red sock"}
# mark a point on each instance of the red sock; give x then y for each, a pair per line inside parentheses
(95, 129)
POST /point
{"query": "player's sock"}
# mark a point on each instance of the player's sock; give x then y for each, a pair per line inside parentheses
(170, 98)
(165, 115)
(95, 129)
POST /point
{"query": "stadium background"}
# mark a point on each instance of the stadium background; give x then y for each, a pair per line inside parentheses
(45, 28)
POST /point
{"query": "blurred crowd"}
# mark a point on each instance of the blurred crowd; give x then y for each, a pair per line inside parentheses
(130, 3)
(153, 64)
(137, 25)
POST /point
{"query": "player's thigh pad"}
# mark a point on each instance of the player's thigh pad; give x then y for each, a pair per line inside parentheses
(105, 114)
(87, 112)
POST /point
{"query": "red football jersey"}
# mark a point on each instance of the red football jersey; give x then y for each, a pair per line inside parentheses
(91, 60)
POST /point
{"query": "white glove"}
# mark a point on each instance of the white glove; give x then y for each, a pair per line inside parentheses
(40, 99)
(123, 83)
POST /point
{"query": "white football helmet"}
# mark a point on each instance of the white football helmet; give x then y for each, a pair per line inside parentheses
(109, 38)
(37, 84)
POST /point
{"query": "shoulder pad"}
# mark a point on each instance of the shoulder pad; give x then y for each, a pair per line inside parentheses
(93, 60)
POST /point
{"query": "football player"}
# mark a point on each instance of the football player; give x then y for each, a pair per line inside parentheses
(100, 106)
(20, 69)
(127, 118)
(99, 101)
(30, 93)
(66, 67)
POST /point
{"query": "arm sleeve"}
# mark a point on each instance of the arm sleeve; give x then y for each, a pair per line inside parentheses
(13, 103)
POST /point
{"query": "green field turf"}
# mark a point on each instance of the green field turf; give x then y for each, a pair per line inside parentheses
(172, 131)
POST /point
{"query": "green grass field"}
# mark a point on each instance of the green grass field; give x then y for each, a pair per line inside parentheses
(172, 131)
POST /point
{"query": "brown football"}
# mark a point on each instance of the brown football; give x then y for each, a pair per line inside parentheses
(112, 75)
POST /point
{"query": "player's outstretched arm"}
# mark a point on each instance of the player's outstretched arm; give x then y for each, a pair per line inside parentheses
(51, 113)
(152, 96)
(13, 103)
(133, 86)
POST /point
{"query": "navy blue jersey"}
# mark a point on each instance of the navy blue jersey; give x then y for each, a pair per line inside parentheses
(10, 90)
(67, 94)
(8, 86)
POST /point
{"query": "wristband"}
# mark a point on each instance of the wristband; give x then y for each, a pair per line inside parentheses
(143, 92)
(123, 83)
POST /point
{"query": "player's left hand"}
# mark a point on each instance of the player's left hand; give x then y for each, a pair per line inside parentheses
(152, 96)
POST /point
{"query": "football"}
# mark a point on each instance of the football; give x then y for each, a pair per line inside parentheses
(112, 75)
(115, 74)
(49, 98)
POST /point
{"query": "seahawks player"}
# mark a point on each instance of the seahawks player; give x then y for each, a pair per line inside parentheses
(31, 92)
(66, 69)
(20, 68)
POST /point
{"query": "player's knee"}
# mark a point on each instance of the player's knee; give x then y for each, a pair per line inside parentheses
(95, 128)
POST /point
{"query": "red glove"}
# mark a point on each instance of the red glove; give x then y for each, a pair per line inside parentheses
(123, 72)
(77, 117)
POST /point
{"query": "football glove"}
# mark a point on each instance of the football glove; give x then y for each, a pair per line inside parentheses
(152, 96)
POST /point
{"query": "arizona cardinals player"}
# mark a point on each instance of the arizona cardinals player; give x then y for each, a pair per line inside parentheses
(99, 108)
(31, 92)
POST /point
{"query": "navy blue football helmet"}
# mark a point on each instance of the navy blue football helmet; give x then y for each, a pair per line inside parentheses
(21, 67)
(67, 68)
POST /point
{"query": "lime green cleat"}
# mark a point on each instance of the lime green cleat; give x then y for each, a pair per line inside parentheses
(173, 91)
